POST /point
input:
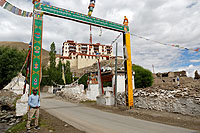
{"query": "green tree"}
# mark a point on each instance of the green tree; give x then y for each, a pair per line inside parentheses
(58, 73)
(52, 69)
(45, 77)
(143, 77)
(11, 62)
(83, 80)
(52, 55)
(55, 73)
(68, 73)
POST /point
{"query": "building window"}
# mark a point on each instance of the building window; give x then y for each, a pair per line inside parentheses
(81, 56)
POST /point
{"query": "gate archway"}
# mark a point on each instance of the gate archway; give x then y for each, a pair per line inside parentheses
(41, 9)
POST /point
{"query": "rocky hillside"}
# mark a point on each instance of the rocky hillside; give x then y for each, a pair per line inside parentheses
(94, 67)
(24, 46)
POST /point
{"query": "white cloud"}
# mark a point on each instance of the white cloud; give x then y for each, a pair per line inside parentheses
(162, 20)
(194, 61)
(190, 70)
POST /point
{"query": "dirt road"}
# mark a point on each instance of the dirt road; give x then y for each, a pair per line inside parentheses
(93, 120)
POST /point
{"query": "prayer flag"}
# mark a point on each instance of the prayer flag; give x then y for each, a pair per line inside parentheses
(5, 6)
(20, 12)
(31, 14)
(8, 6)
(27, 14)
(30, 43)
(17, 11)
(13, 9)
(24, 13)
(2, 2)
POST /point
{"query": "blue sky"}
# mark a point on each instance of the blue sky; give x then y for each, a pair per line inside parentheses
(187, 58)
(167, 21)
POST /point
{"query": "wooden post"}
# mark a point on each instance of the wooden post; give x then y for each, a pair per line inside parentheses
(128, 64)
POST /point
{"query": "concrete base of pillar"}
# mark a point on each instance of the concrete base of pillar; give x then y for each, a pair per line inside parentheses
(105, 100)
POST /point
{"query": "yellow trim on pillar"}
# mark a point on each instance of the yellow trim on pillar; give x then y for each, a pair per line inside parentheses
(129, 69)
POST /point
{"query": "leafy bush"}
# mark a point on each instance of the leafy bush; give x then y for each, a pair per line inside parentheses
(11, 62)
(143, 77)
(83, 80)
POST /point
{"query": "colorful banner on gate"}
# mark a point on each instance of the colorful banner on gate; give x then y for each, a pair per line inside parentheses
(6, 5)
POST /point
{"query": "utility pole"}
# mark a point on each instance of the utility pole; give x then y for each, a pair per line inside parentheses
(90, 35)
(101, 91)
(153, 68)
(116, 74)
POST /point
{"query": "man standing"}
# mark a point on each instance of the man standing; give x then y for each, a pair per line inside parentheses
(178, 80)
(34, 103)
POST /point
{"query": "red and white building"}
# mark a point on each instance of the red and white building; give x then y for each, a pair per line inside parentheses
(83, 55)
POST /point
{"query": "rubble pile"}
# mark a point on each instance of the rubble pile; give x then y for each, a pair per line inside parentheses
(184, 99)
(121, 99)
(72, 97)
(168, 93)
(73, 93)
(9, 118)
(7, 100)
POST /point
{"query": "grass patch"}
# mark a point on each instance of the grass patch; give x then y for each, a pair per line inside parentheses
(19, 127)
(42, 123)
(22, 125)
(88, 101)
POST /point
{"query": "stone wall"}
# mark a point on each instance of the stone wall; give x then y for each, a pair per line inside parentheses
(180, 100)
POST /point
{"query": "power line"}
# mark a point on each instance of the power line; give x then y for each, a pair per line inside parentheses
(172, 45)
(116, 39)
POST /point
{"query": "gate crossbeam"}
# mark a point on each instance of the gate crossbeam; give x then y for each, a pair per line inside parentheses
(79, 17)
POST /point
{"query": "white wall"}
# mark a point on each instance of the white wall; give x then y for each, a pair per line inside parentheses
(92, 92)
(121, 82)
(85, 61)
(17, 85)
(74, 89)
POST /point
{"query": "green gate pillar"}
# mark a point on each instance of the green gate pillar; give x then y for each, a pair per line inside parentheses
(36, 62)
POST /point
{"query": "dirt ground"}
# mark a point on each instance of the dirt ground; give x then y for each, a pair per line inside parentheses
(51, 124)
(174, 119)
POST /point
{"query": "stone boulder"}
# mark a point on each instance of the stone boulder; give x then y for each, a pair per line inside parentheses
(8, 100)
